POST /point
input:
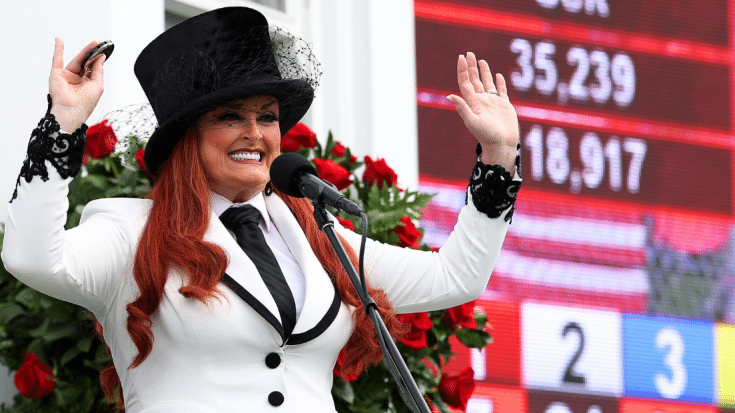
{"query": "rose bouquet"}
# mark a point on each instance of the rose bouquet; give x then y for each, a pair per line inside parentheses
(57, 356)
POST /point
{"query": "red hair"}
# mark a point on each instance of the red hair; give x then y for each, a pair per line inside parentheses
(173, 236)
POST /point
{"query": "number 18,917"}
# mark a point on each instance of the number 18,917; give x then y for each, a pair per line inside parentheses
(549, 156)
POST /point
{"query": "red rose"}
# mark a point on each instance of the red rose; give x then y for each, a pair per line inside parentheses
(339, 151)
(333, 172)
(407, 233)
(378, 171)
(420, 324)
(338, 369)
(34, 379)
(346, 223)
(139, 159)
(300, 136)
(101, 140)
(462, 315)
(456, 389)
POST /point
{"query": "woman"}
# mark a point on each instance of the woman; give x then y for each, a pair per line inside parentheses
(183, 336)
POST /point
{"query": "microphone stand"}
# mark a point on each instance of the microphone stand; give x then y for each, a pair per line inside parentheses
(396, 365)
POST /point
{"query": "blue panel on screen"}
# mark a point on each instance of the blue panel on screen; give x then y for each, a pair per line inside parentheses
(668, 358)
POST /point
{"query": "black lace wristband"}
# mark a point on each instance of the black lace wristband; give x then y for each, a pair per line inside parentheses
(493, 189)
(64, 151)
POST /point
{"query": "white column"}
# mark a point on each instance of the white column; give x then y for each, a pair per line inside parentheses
(393, 95)
(132, 25)
(337, 106)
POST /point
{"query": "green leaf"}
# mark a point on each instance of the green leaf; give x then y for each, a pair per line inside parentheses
(473, 338)
(85, 344)
(480, 318)
(72, 219)
(9, 311)
(28, 297)
(46, 301)
(101, 357)
(96, 181)
(89, 400)
(6, 344)
(36, 347)
(40, 330)
(439, 404)
(67, 395)
(305, 152)
(92, 364)
(441, 332)
(69, 355)
(58, 331)
(343, 389)
(60, 311)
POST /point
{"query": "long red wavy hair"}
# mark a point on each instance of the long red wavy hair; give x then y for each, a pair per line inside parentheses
(173, 235)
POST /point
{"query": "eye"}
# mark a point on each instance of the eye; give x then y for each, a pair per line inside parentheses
(268, 117)
(228, 117)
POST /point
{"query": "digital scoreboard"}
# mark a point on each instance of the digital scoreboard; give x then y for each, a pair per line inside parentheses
(614, 288)
(605, 112)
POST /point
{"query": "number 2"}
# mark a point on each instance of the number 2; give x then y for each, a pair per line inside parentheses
(576, 56)
(569, 375)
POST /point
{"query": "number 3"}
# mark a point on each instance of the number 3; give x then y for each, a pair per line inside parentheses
(671, 388)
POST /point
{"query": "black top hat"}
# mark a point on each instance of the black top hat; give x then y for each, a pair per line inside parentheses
(214, 58)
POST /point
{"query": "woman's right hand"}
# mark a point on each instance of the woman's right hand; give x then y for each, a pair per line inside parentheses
(74, 92)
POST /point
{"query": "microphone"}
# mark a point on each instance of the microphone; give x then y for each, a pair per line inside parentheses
(294, 175)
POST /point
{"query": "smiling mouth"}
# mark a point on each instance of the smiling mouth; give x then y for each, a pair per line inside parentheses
(246, 156)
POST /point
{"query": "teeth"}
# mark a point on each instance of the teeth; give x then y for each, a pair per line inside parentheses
(245, 156)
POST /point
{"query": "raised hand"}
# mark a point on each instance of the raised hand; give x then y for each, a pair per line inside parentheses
(486, 111)
(74, 91)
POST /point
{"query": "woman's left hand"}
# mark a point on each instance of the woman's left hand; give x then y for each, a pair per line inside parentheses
(489, 116)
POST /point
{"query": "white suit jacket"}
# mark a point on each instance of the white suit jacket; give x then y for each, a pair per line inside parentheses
(227, 357)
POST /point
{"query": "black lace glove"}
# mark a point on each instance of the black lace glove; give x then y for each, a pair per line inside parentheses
(64, 151)
(493, 189)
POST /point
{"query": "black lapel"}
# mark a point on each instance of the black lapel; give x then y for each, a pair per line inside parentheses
(293, 339)
(255, 304)
(321, 326)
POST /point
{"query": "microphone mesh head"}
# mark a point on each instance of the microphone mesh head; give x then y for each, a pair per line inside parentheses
(285, 170)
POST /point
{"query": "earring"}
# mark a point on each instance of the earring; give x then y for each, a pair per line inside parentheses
(268, 189)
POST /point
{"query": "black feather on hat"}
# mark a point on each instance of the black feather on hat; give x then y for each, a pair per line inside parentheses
(215, 58)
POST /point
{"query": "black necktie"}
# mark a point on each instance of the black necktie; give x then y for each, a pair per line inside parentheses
(243, 221)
